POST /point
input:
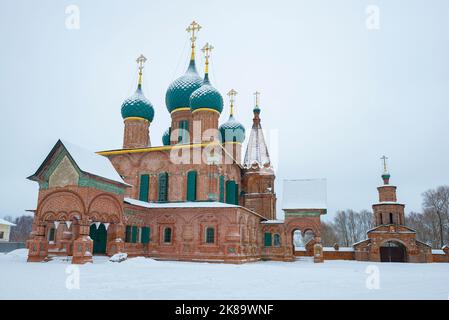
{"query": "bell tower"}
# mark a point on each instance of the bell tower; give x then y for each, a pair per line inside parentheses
(388, 210)
(258, 173)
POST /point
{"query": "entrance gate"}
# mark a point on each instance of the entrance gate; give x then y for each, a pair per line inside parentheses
(393, 252)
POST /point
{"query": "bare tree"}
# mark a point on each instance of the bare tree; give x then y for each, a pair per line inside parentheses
(328, 234)
(436, 201)
(21, 231)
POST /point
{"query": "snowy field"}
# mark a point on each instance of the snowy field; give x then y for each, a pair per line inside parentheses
(143, 278)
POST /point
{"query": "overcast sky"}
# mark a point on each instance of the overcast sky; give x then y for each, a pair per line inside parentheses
(337, 93)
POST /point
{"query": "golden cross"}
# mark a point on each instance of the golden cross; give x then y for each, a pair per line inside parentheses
(232, 93)
(256, 95)
(192, 28)
(384, 159)
(141, 61)
(207, 50)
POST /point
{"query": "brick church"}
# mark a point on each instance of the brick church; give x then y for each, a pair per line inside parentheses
(192, 198)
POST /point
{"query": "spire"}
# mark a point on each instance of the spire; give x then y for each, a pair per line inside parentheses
(193, 28)
(140, 62)
(385, 174)
(232, 93)
(256, 151)
(207, 50)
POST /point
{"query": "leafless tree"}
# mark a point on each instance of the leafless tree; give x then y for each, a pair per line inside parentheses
(436, 202)
(328, 234)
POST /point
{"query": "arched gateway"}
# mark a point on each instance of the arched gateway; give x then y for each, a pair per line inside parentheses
(393, 251)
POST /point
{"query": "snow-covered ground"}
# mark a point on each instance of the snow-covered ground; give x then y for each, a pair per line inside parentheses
(143, 278)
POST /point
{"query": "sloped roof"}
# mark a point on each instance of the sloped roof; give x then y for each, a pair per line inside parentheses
(304, 194)
(87, 161)
(6, 223)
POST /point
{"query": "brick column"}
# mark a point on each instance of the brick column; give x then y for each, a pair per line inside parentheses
(83, 245)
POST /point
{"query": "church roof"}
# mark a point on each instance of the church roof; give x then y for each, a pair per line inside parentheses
(304, 194)
(256, 151)
(87, 161)
(6, 223)
(181, 204)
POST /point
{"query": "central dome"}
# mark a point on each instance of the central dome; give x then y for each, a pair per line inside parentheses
(179, 91)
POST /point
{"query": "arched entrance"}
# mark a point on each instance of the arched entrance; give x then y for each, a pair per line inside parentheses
(393, 251)
(100, 237)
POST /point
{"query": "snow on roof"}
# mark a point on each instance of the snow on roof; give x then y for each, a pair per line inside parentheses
(437, 251)
(186, 204)
(342, 249)
(305, 194)
(6, 223)
(273, 221)
(387, 202)
(90, 162)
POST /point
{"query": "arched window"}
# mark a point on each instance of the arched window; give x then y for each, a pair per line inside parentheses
(191, 185)
(391, 218)
(277, 240)
(163, 187)
(381, 220)
(210, 235)
(167, 235)
(51, 234)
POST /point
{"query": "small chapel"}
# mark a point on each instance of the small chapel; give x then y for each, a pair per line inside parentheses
(191, 198)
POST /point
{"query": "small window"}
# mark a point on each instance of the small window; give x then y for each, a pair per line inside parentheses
(391, 218)
(167, 235)
(128, 234)
(210, 235)
(51, 234)
(267, 239)
(277, 240)
(2, 234)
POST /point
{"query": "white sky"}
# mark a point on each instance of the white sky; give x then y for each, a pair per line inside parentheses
(337, 94)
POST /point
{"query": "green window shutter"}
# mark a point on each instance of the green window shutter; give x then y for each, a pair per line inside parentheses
(145, 235)
(267, 239)
(230, 192)
(222, 189)
(163, 187)
(134, 234)
(183, 131)
(210, 235)
(236, 200)
(167, 235)
(191, 185)
(144, 187)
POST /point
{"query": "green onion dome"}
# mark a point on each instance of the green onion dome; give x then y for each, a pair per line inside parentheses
(179, 91)
(138, 106)
(232, 131)
(166, 137)
(206, 96)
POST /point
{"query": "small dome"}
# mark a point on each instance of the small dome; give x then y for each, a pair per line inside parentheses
(206, 96)
(138, 106)
(179, 91)
(232, 131)
(166, 137)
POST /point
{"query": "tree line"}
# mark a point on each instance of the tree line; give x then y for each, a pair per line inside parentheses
(431, 224)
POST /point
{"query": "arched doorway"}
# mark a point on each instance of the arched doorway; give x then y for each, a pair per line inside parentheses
(393, 251)
(99, 236)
